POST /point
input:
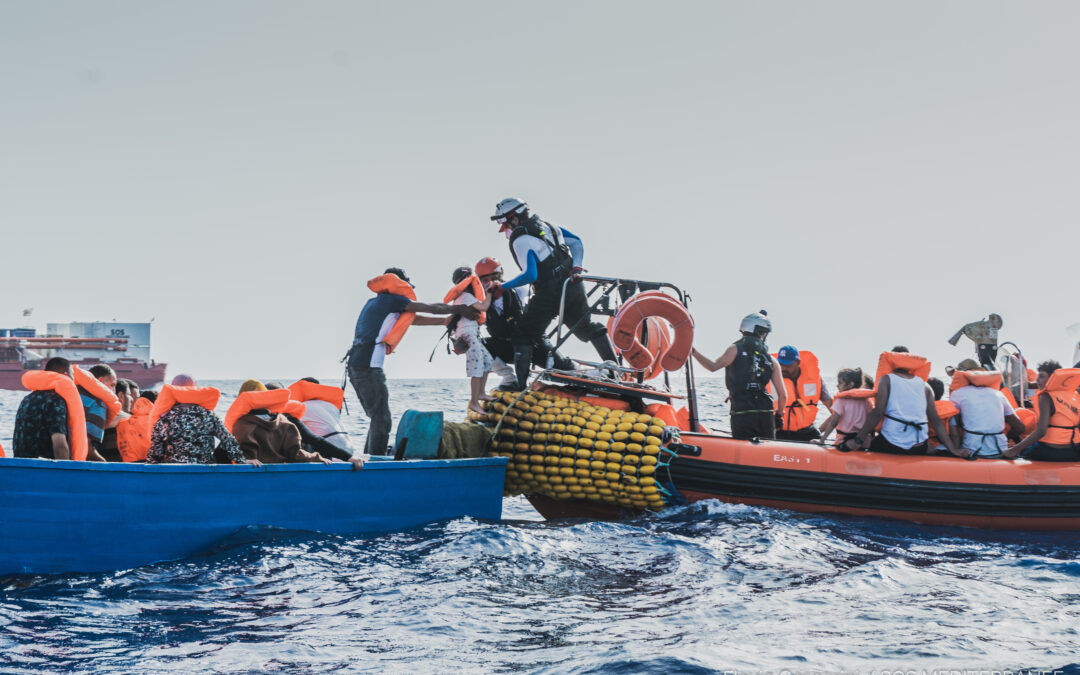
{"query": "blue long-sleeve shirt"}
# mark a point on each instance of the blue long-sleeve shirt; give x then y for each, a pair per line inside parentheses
(529, 274)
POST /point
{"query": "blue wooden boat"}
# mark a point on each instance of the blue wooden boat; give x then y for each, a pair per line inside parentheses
(59, 516)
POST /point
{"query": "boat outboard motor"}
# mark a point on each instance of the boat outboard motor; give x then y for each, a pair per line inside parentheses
(984, 333)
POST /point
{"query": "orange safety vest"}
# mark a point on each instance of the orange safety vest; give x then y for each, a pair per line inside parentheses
(133, 433)
(46, 380)
(477, 291)
(1065, 422)
(309, 391)
(919, 366)
(169, 396)
(273, 400)
(296, 409)
(803, 395)
(98, 390)
(392, 283)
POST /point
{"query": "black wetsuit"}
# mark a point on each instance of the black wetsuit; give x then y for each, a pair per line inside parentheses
(746, 378)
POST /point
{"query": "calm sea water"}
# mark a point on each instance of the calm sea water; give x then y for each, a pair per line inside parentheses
(706, 588)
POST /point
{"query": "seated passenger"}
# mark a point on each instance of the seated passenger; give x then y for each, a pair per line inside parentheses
(802, 379)
(322, 413)
(110, 448)
(264, 434)
(1057, 436)
(904, 405)
(983, 412)
(850, 407)
(468, 290)
(294, 411)
(185, 430)
(100, 405)
(945, 410)
(49, 421)
(133, 432)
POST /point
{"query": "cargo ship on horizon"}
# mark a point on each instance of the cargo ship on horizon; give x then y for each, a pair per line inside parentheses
(125, 347)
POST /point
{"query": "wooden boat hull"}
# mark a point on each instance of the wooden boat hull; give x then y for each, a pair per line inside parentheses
(87, 517)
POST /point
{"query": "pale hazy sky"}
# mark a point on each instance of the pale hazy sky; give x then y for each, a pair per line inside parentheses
(871, 173)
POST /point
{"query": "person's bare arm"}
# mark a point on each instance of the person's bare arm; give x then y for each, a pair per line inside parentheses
(60, 447)
(939, 427)
(876, 415)
(778, 385)
(1015, 426)
(828, 426)
(1045, 411)
(422, 320)
(725, 359)
(442, 308)
(93, 455)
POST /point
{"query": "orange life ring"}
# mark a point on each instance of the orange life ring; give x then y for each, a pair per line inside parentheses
(303, 390)
(169, 396)
(634, 312)
(392, 283)
(46, 380)
(273, 400)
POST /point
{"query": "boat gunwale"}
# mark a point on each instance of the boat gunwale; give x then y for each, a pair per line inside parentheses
(378, 465)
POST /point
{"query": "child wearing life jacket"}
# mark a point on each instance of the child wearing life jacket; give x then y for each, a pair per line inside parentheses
(852, 403)
(465, 333)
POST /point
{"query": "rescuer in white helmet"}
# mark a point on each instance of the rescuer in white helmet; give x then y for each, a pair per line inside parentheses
(547, 256)
(748, 368)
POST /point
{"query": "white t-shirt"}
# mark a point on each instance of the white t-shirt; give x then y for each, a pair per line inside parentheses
(325, 420)
(907, 401)
(983, 411)
(465, 326)
(378, 353)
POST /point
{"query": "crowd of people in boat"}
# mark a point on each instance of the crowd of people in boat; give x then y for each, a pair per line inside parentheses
(900, 410)
(772, 396)
(71, 413)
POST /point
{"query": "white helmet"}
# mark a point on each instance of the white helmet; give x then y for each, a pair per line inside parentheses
(508, 206)
(754, 321)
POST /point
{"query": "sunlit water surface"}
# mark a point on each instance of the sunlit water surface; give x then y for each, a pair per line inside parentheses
(704, 588)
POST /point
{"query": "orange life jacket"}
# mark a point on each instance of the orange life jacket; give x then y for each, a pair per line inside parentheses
(975, 378)
(133, 433)
(46, 380)
(295, 409)
(169, 396)
(477, 290)
(804, 395)
(272, 400)
(98, 390)
(309, 391)
(392, 283)
(918, 366)
(946, 410)
(624, 331)
(856, 393)
(1065, 422)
